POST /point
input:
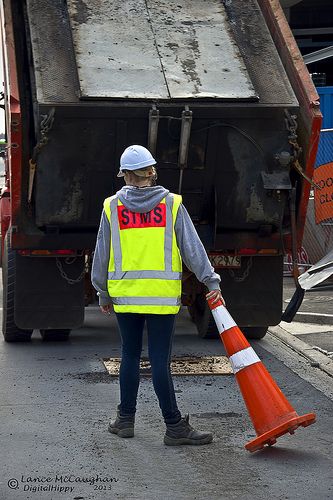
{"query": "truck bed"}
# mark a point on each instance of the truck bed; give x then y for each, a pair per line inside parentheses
(103, 67)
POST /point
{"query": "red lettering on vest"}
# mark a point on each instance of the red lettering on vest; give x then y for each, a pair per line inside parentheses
(130, 220)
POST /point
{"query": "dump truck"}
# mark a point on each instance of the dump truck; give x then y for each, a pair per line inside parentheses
(217, 90)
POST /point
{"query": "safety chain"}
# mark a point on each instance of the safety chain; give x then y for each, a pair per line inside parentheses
(63, 274)
(45, 127)
(245, 274)
(292, 125)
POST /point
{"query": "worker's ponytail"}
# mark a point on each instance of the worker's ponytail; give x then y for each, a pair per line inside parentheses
(153, 178)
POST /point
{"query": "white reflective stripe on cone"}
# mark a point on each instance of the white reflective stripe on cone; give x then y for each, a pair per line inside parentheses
(223, 319)
(243, 358)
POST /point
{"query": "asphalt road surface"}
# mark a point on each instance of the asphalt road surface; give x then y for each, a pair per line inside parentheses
(56, 400)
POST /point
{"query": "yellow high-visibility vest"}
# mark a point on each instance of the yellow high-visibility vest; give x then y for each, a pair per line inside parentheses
(145, 266)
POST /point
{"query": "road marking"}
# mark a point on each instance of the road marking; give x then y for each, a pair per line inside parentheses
(315, 314)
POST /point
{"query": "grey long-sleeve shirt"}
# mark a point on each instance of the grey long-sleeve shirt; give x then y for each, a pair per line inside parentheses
(191, 249)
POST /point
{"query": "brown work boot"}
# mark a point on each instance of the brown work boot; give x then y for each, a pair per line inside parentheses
(123, 426)
(183, 433)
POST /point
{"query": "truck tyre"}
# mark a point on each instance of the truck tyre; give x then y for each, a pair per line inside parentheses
(203, 319)
(10, 331)
(57, 335)
(254, 332)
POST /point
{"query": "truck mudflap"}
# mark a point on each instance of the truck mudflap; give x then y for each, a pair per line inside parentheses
(49, 292)
(253, 294)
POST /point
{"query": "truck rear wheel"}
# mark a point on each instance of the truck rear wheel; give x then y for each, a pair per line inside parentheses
(57, 335)
(10, 331)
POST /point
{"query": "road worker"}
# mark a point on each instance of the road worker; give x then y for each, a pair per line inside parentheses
(144, 234)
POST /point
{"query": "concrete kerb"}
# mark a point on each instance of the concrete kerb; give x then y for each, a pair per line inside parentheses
(316, 358)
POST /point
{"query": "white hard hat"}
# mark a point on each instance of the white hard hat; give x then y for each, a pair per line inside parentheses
(135, 157)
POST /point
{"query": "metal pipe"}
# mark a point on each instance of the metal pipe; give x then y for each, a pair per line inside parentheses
(184, 143)
(292, 205)
(154, 117)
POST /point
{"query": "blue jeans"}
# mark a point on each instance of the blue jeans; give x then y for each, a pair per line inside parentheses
(160, 329)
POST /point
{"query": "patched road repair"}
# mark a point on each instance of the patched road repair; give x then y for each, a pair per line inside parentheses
(57, 399)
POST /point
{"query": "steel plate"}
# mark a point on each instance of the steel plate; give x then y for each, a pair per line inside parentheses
(157, 49)
(199, 55)
(115, 50)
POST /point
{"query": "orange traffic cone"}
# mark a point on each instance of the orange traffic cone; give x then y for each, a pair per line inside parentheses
(270, 411)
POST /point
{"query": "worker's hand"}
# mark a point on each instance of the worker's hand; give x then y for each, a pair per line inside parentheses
(216, 295)
(106, 309)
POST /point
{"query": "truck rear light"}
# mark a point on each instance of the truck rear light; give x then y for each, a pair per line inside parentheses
(46, 253)
(253, 251)
(268, 251)
(64, 252)
(247, 251)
